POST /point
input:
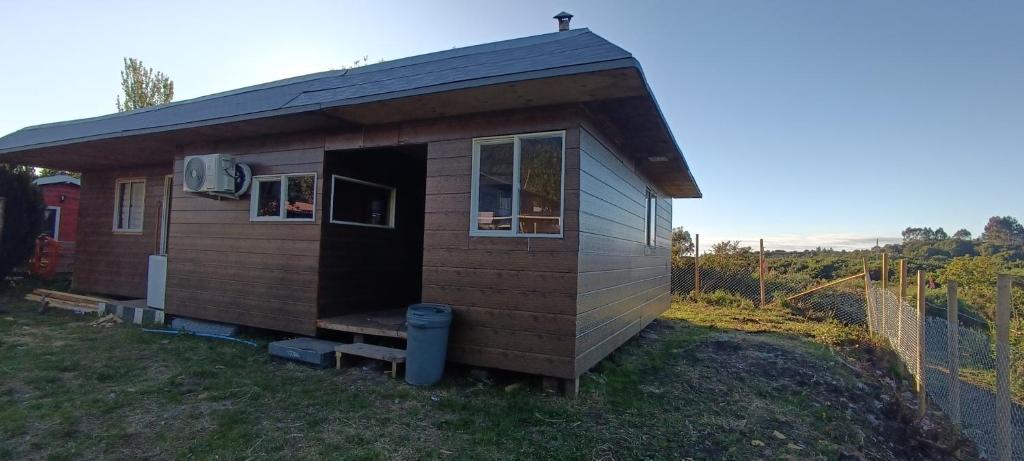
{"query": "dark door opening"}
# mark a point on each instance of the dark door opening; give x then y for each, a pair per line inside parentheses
(371, 249)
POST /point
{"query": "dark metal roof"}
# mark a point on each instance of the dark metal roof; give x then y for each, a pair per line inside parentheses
(548, 56)
(554, 53)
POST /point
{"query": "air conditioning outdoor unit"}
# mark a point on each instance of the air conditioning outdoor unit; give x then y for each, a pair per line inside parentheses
(210, 174)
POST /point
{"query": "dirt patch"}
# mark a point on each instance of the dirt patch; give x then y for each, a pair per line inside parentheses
(881, 408)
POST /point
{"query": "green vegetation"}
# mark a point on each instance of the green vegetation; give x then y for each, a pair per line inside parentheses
(718, 382)
(21, 219)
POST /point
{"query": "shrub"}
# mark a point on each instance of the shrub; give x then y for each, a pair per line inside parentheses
(23, 219)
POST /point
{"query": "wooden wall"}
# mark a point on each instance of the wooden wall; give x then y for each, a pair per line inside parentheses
(514, 298)
(111, 263)
(623, 284)
(225, 268)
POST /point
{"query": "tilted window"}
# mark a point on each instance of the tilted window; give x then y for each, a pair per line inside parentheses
(362, 203)
(289, 197)
(518, 185)
(129, 204)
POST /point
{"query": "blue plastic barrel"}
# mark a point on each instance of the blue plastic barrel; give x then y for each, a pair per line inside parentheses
(427, 343)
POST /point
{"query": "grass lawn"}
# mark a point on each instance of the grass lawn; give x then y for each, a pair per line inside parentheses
(703, 382)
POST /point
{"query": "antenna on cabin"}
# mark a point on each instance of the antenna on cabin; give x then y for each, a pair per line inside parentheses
(563, 21)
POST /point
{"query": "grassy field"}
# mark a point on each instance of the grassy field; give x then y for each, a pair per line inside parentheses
(702, 382)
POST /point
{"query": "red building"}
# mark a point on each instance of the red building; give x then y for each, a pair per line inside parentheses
(61, 195)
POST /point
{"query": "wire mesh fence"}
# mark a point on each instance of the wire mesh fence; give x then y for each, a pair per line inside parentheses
(961, 362)
(956, 360)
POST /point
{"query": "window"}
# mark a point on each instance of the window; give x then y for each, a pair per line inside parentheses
(129, 203)
(289, 197)
(51, 222)
(651, 217)
(362, 203)
(518, 185)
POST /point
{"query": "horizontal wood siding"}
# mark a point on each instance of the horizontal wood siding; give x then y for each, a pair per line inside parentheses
(222, 267)
(109, 262)
(622, 283)
(514, 298)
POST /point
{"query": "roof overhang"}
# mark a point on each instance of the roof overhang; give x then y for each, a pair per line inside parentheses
(614, 92)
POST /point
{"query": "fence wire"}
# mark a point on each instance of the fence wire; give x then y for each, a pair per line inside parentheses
(926, 346)
(923, 343)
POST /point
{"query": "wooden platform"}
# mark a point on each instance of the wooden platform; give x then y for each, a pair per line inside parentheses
(389, 323)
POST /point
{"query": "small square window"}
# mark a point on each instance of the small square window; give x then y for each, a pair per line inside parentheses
(290, 197)
(362, 203)
(129, 204)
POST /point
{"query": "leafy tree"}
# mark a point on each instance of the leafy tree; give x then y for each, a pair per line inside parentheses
(682, 245)
(143, 87)
(939, 234)
(23, 218)
(1003, 230)
(976, 277)
(43, 172)
(962, 234)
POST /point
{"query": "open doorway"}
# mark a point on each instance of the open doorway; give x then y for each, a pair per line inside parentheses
(371, 250)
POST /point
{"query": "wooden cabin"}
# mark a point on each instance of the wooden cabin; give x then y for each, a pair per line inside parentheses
(60, 220)
(527, 183)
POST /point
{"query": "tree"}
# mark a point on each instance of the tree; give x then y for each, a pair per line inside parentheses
(682, 245)
(962, 234)
(44, 172)
(939, 234)
(23, 218)
(143, 87)
(1003, 230)
(916, 234)
(976, 277)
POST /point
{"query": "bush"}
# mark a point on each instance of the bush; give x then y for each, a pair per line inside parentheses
(23, 219)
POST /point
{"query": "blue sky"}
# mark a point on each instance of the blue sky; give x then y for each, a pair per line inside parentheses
(805, 122)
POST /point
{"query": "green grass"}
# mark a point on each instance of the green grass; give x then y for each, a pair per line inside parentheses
(703, 382)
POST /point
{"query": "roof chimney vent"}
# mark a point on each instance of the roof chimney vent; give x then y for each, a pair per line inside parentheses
(563, 21)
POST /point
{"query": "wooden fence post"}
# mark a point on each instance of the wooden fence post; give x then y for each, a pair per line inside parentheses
(953, 350)
(696, 263)
(760, 270)
(921, 367)
(1004, 427)
(867, 296)
(884, 324)
(903, 297)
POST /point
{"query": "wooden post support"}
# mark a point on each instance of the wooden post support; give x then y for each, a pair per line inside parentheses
(760, 270)
(1004, 427)
(920, 365)
(884, 324)
(899, 306)
(867, 297)
(696, 263)
(953, 351)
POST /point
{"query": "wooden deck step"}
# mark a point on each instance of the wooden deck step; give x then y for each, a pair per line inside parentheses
(387, 354)
(388, 323)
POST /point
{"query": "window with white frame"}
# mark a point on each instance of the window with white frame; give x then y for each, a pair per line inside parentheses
(518, 185)
(51, 222)
(284, 197)
(362, 203)
(651, 217)
(129, 204)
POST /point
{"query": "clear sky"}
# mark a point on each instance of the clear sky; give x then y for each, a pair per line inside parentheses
(805, 122)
